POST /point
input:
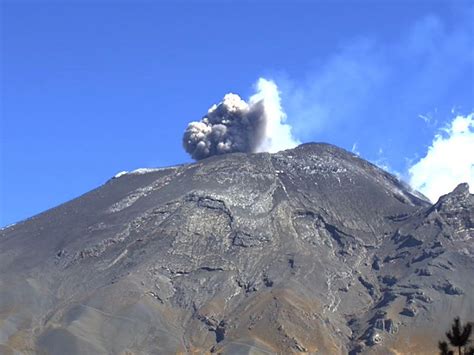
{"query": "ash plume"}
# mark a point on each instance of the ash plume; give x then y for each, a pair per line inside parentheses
(234, 125)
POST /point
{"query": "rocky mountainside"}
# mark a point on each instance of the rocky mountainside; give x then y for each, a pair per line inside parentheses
(308, 250)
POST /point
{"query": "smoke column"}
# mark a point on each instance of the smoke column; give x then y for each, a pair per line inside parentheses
(234, 125)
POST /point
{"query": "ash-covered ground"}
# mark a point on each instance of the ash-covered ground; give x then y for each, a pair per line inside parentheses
(308, 250)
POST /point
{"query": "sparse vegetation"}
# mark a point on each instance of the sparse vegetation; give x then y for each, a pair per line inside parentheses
(458, 338)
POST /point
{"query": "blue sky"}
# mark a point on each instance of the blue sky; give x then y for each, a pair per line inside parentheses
(89, 89)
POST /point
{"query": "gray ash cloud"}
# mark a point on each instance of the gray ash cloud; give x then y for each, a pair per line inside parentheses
(231, 126)
(235, 125)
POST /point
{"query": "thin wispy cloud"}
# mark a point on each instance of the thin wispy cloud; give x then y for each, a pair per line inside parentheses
(372, 89)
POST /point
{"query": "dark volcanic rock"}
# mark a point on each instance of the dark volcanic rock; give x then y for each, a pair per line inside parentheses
(307, 250)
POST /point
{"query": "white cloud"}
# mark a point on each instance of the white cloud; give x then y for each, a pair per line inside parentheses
(355, 149)
(449, 160)
(278, 135)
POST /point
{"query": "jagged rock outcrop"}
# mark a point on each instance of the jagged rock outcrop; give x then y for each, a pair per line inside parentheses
(307, 250)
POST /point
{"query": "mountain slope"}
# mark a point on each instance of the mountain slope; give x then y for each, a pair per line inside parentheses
(308, 250)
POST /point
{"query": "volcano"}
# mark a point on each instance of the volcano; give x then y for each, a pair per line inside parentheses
(310, 250)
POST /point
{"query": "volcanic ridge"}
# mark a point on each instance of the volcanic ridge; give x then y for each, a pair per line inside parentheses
(311, 249)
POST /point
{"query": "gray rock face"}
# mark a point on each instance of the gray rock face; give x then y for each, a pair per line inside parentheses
(308, 250)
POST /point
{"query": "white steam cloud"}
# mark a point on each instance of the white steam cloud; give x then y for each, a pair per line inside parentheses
(449, 161)
(235, 125)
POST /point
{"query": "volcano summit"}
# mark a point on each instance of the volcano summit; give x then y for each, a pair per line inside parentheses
(307, 250)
